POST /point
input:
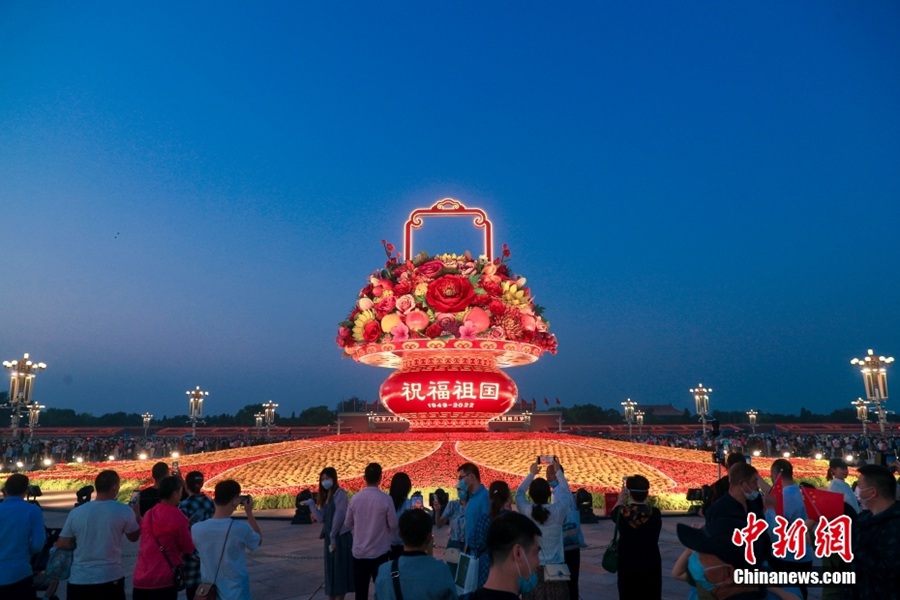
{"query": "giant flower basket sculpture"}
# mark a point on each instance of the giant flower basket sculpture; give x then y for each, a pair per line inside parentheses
(447, 323)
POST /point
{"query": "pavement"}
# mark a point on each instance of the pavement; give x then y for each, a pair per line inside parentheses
(288, 565)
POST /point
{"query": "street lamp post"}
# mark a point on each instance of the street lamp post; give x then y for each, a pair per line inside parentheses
(639, 417)
(259, 423)
(34, 413)
(751, 415)
(629, 414)
(21, 384)
(270, 415)
(196, 397)
(874, 372)
(862, 413)
(147, 417)
(701, 399)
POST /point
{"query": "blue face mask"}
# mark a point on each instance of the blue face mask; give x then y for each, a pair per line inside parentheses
(526, 586)
(698, 571)
(461, 491)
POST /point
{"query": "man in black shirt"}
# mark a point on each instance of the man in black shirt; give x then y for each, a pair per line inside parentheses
(149, 497)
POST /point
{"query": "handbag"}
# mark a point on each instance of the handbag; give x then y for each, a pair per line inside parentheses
(208, 591)
(467, 574)
(177, 571)
(610, 560)
(557, 572)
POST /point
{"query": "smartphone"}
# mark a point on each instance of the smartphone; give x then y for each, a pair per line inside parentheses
(432, 499)
(417, 502)
(135, 498)
(546, 459)
(245, 499)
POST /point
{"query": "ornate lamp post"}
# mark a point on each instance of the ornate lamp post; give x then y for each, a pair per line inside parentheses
(751, 415)
(34, 413)
(629, 414)
(701, 399)
(270, 415)
(862, 412)
(259, 423)
(21, 384)
(874, 372)
(639, 417)
(147, 417)
(196, 402)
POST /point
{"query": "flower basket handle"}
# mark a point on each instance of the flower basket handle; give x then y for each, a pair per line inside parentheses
(448, 207)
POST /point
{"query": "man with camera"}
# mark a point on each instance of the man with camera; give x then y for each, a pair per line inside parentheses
(221, 542)
(415, 575)
(22, 532)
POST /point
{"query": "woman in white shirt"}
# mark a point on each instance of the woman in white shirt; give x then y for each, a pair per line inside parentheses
(549, 518)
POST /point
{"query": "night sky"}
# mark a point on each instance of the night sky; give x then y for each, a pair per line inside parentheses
(194, 193)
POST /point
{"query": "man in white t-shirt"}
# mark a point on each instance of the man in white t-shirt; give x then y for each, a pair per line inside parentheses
(221, 542)
(95, 531)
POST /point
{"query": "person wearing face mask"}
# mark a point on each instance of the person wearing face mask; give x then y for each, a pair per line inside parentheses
(514, 543)
(455, 514)
(743, 498)
(573, 538)
(876, 535)
(471, 490)
(794, 509)
(640, 563)
(330, 509)
(709, 561)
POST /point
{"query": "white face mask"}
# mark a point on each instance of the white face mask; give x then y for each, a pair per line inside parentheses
(751, 495)
(859, 492)
(327, 483)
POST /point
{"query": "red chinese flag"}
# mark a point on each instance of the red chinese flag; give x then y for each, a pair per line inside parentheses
(822, 503)
(547, 402)
(557, 401)
(778, 491)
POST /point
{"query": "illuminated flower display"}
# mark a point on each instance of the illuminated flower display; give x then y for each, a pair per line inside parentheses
(448, 323)
(445, 296)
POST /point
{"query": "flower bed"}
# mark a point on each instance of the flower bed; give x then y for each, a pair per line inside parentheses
(277, 472)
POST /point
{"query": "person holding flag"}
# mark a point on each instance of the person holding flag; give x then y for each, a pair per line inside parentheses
(785, 500)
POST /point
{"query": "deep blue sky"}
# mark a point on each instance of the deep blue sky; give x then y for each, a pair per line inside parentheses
(194, 193)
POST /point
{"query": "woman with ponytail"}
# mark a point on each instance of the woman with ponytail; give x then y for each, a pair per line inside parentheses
(549, 519)
(500, 503)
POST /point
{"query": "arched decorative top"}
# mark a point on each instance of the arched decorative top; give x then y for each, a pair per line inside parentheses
(448, 207)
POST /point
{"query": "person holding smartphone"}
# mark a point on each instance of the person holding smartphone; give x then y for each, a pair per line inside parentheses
(401, 486)
(549, 518)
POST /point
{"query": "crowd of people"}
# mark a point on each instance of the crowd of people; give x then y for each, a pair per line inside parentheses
(34, 453)
(805, 445)
(523, 543)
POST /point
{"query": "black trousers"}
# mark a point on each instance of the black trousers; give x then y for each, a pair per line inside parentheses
(364, 571)
(20, 590)
(111, 590)
(573, 561)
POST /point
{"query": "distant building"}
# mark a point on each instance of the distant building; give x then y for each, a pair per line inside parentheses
(662, 413)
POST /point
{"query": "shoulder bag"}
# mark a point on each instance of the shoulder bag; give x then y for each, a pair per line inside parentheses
(207, 591)
(177, 571)
(611, 555)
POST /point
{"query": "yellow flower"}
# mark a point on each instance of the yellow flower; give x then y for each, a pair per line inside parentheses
(359, 324)
(513, 295)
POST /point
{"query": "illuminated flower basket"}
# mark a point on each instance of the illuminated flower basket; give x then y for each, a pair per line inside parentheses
(448, 323)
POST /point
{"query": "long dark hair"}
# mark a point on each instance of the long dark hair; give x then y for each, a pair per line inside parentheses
(540, 495)
(401, 485)
(325, 495)
(499, 496)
